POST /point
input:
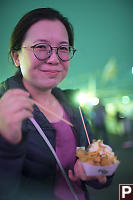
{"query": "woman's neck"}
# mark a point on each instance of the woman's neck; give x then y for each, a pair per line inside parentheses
(40, 95)
(47, 100)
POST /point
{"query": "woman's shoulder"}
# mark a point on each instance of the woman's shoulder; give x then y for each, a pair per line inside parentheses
(4, 86)
(12, 82)
(69, 95)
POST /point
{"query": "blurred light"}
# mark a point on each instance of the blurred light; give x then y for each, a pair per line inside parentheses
(93, 101)
(110, 70)
(82, 98)
(125, 99)
(110, 108)
(132, 70)
(87, 99)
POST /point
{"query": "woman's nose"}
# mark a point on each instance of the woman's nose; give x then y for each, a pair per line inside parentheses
(54, 57)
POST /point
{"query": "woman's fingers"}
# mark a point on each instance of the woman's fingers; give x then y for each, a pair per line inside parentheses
(16, 92)
(15, 106)
(72, 176)
(79, 173)
(102, 179)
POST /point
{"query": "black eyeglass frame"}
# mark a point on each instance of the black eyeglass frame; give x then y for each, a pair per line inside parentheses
(50, 53)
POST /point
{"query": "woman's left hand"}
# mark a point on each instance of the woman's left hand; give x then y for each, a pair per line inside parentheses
(79, 173)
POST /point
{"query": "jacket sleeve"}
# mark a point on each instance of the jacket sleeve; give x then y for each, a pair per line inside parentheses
(11, 162)
(95, 184)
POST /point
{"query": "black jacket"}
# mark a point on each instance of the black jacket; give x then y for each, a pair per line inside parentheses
(28, 169)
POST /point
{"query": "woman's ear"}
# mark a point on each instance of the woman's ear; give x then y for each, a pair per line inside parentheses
(15, 57)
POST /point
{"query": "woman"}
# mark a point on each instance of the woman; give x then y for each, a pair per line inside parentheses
(41, 47)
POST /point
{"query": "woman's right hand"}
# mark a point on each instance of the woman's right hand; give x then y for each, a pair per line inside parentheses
(15, 106)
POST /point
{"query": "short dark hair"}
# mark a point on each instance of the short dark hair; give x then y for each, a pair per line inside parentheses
(32, 17)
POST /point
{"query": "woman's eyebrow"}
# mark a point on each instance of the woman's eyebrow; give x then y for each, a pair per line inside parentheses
(41, 40)
(64, 42)
(46, 41)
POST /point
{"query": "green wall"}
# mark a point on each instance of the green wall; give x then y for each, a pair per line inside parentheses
(103, 30)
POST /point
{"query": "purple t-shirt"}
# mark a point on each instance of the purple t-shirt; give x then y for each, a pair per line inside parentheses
(66, 152)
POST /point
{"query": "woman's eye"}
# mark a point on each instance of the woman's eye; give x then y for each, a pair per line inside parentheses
(64, 48)
(41, 47)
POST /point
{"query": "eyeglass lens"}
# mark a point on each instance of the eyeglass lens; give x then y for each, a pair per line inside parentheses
(44, 51)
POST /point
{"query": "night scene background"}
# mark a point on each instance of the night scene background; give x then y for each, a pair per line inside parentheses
(100, 72)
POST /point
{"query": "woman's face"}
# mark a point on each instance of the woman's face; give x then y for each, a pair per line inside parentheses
(49, 73)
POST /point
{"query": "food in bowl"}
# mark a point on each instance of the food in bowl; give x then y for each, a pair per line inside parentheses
(97, 154)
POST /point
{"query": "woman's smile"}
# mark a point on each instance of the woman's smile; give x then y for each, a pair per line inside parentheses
(50, 73)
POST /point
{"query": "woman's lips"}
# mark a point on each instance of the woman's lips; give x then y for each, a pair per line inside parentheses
(50, 72)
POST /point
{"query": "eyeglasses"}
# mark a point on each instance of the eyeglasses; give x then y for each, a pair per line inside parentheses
(43, 51)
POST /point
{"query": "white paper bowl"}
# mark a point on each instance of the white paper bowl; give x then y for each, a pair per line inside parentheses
(92, 170)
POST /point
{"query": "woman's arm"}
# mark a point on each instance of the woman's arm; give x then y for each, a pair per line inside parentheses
(11, 163)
